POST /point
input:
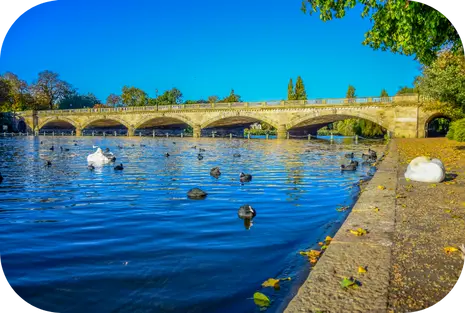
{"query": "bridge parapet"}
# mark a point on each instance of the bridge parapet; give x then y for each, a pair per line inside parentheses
(242, 105)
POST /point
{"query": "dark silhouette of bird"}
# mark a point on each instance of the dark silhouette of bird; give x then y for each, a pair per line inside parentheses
(48, 163)
(199, 156)
(349, 155)
(244, 178)
(1, 178)
(91, 167)
(119, 167)
(237, 155)
(52, 148)
(350, 167)
(215, 172)
(246, 211)
(167, 154)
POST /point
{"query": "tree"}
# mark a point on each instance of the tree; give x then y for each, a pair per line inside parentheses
(404, 27)
(73, 100)
(231, 98)
(49, 89)
(350, 95)
(172, 96)
(299, 92)
(213, 99)
(19, 96)
(405, 90)
(290, 90)
(444, 80)
(384, 93)
(113, 100)
(132, 96)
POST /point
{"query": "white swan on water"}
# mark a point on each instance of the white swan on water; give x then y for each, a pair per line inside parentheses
(98, 158)
(426, 170)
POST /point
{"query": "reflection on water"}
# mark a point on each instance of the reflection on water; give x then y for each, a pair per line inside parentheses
(75, 240)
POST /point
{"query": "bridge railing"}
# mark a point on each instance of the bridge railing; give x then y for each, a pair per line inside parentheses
(272, 103)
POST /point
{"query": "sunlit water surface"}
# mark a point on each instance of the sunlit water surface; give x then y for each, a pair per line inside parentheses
(73, 240)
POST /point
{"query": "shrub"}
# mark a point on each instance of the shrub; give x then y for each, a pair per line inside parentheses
(457, 130)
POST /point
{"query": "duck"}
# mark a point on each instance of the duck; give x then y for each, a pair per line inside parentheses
(354, 162)
(98, 157)
(245, 178)
(91, 167)
(75, 144)
(52, 148)
(174, 142)
(41, 142)
(66, 149)
(368, 158)
(199, 156)
(215, 172)
(107, 150)
(237, 155)
(119, 167)
(201, 150)
(1, 178)
(350, 167)
(167, 154)
(196, 193)
(48, 163)
(349, 155)
(194, 147)
(120, 147)
(142, 145)
(246, 212)
(372, 153)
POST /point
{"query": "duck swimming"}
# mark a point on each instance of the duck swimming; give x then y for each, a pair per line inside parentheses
(91, 167)
(119, 167)
(167, 154)
(246, 212)
(245, 178)
(349, 155)
(48, 163)
(199, 156)
(1, 178)
(52, 148)
(350, 167)
(196, 193)
(215, 172)
(354, 163)
(201, 150)
(237, 155)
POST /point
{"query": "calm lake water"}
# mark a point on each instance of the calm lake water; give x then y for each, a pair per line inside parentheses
(72, 240)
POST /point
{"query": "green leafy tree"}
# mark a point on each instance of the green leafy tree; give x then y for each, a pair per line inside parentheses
(113, 100)
(19, 96)
(350, 94)
(300, 93)
(290, 90)
(444, 80)
(132, 96)
(49, 89)
(73, 100)
(231, 98)
(384, 93)
(405, 27)
(405, 90)
(172, 96)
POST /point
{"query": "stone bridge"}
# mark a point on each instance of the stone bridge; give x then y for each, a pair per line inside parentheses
(401, 116)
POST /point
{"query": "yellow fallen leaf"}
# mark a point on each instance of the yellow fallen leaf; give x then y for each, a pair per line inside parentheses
(380, 187)
(271, 282)
(449, 250)
(320, 243)
(328, 239)
(359, 232)
(311, 253)
(362, 269)
(433, 185)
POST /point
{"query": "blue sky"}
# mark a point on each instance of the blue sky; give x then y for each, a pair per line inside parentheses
(202, 47)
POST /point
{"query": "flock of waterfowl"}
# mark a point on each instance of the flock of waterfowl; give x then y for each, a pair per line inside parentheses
(245, 212)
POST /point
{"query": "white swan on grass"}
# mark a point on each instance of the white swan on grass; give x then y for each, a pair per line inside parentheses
(426, 170)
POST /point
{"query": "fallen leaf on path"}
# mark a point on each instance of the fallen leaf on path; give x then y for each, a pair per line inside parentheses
(449, 250)
(359, 232)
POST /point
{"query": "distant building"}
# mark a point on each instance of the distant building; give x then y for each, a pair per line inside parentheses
(256, 126)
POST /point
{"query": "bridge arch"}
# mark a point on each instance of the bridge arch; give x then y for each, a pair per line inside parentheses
(321, 118)
(434, 129)
(162, 120)
(58, 120)
(104, 121)
(237, 117)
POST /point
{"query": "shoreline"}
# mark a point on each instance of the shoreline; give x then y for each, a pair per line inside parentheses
(321, 291)
(406, 253)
